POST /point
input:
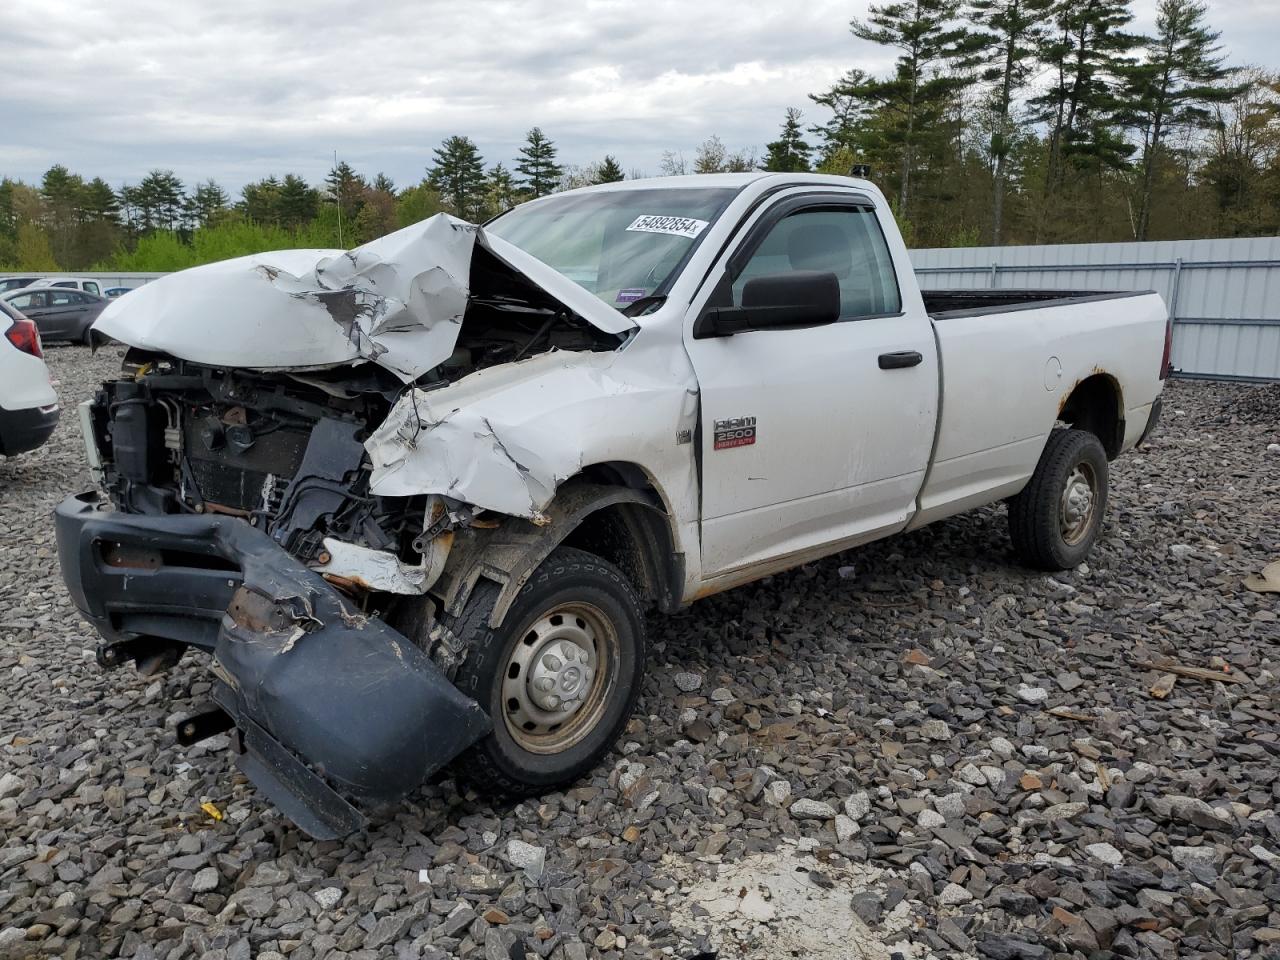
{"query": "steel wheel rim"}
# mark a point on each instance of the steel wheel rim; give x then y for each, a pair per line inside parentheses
(1078, 504)
(557, 677)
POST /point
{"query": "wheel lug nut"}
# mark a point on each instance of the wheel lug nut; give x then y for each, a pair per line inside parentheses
(553, 702)
(545, 683)
(551, 662)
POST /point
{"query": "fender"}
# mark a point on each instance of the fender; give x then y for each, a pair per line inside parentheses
(510, 552)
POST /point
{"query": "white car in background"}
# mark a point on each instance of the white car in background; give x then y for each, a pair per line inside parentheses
(28, 404)
(87, 284)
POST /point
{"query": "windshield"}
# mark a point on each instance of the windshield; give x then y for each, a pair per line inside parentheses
(621, 245)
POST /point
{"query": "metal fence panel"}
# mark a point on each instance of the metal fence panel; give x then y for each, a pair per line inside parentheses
(1224, 294)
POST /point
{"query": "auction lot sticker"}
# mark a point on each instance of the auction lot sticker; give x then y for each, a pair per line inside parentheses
(673, 226)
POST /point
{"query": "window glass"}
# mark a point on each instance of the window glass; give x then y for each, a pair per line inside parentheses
(621, 245)
(27, 301)
(92, 287)
(846, 241)
(64, 283)
(62, 298)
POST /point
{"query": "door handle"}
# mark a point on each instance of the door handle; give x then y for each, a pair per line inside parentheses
(900, 359)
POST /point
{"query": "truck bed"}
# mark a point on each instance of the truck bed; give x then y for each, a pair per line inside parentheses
(943, 304)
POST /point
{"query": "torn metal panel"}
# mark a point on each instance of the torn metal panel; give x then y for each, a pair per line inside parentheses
(504, 438)
(397, 301)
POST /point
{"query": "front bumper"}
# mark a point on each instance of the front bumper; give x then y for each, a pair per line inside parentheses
(328, 703)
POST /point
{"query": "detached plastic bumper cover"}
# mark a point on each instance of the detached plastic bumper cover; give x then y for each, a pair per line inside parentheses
(328, 701)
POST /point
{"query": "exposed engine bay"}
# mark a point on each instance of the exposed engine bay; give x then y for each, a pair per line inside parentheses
(285, 451)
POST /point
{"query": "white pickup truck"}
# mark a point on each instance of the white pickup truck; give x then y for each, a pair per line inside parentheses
(415, 498)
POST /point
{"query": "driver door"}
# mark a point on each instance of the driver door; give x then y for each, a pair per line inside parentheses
(808, 442)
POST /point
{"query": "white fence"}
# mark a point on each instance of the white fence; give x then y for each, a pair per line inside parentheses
(108, 280)
(1224, 295)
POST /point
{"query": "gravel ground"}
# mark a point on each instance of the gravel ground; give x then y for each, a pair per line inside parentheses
(916, 747)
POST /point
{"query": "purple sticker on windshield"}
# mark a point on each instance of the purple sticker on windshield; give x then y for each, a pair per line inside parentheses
(631, 294)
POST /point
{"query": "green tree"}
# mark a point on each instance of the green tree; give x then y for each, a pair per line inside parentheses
(345, 189)
(539, 172)
(608, 171)
(1083, 52)
(159, 196)
(417, 203)
(458, 175)
(384, 183)
(207, 204)
(712, 156)
(296, 202)
(840, 135)
(260, 200)
(1173, 86)
(911, 104)
(789, 153)
(500, 188)
(1003, 48)
(32, 250)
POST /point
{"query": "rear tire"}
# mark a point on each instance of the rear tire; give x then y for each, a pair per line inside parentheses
(1055, 520)
(577, 629)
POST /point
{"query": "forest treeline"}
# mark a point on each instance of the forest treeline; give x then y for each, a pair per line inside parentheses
(1001, 121)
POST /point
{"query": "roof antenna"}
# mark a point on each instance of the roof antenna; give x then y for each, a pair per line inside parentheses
(338, 188)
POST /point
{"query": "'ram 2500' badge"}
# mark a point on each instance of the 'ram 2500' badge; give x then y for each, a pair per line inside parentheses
(734, 432)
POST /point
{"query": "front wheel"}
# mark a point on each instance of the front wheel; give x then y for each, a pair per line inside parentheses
(1055, 520)
(559, 678)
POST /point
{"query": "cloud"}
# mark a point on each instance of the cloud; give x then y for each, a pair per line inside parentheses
(242, 88)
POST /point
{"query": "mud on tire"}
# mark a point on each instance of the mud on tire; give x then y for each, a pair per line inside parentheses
(573, 599)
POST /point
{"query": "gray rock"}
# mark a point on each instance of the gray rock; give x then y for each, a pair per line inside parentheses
(807, 809)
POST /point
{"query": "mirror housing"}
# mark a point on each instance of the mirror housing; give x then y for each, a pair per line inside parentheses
(798, 298)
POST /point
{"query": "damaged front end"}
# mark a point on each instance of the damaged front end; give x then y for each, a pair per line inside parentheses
(242, 514)
(328, 702)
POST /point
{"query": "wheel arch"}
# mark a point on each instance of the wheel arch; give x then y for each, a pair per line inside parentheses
(1096, 404)
(610, 509)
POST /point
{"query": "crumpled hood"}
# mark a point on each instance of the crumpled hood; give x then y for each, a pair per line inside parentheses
(397, 301)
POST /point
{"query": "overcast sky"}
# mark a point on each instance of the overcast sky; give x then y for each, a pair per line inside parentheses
(238, 89)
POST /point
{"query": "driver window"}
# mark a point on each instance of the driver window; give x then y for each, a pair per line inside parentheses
(846, 241)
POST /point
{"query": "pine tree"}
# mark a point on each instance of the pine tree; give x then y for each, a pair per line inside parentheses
(539, 172)
(206, 205)
(1180, 75)
(458, 175)
(384, 183)
(160, 200)
(345, 189)
(260, 201)
(500, 189)
(100, 202)
(841, 133)
(1003, 48)
(608, 171)
(297, 203)
(912, 103)
(1084, 51)
(789, 153)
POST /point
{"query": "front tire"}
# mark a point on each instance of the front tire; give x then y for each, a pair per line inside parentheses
(1055, 520)
(559, 678)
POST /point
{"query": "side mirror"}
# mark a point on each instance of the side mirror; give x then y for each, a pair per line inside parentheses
(799, 298)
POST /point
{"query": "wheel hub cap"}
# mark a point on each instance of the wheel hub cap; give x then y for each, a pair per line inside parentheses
(560, 677)
(552, 689)
(1078, 499)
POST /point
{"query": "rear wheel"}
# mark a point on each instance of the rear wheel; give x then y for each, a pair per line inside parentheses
(1056, 519)
(559, 678)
